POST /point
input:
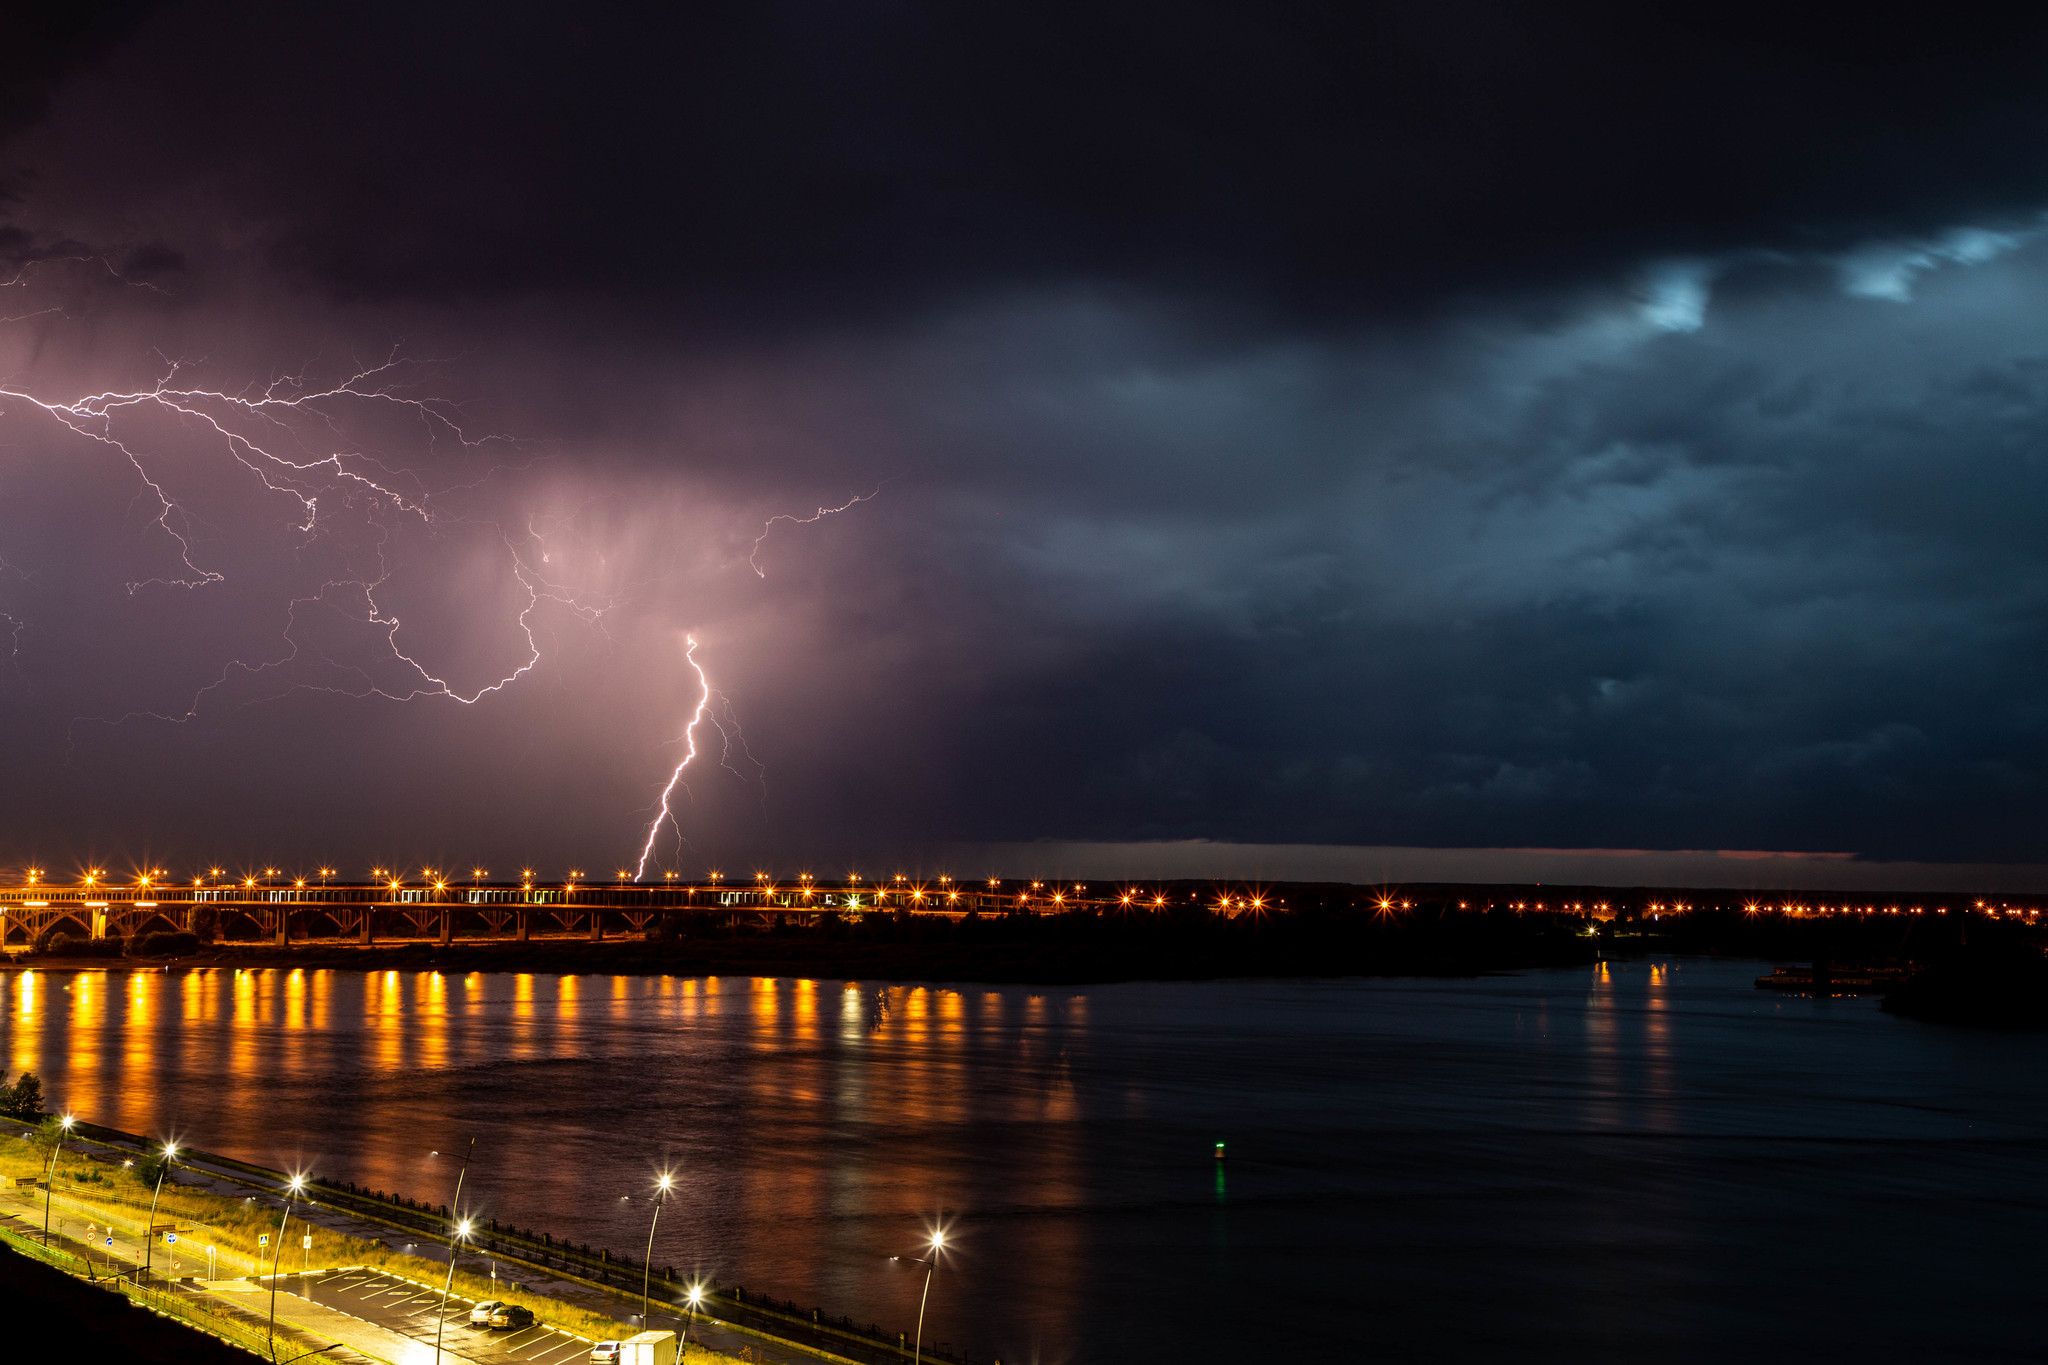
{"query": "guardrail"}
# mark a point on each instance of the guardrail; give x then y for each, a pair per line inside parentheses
(197, 1313)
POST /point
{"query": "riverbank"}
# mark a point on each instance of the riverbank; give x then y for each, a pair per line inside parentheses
(100, 1208)
(226, 1212)
(100, 1216)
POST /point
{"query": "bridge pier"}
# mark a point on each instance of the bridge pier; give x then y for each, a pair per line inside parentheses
(596, 924)
(284, 926)
(99, 921)
(524, 930)
(447, 924)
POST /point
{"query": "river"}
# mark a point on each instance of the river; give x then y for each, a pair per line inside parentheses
(1627, 1161)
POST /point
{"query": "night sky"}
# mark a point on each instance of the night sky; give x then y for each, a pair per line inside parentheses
(1451, 426)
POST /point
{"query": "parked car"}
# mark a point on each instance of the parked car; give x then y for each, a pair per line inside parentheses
(607, 1353)
(480, 1316)
(511, 1315)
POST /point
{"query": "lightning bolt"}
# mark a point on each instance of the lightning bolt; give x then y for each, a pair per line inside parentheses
(675, 778)
(92, 416)
(292, 439)
(819, 515)
(289, 435)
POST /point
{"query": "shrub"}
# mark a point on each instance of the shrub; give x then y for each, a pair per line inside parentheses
(62, 944)
(150, 1169)
(163, 943)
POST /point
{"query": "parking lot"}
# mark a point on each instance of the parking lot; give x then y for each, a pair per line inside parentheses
(412, 1309)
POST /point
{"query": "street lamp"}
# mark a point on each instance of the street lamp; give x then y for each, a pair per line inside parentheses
(695, 1301)
(662, 1187)
(298, 1184)
(50, 1176)
(930, 1262)
(460, 1233)
(149, 1232)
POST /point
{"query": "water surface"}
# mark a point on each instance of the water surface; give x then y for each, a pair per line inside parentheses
(1611, 1163)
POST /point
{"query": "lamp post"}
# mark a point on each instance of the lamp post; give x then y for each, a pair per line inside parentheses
(930, 1262)
(149, 1232)
(298, 1184)
(50, 1176)
(689, 1316)
(662, 1187)
(460, 1232)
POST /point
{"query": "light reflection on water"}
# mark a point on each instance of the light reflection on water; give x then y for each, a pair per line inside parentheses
(1592, 1163)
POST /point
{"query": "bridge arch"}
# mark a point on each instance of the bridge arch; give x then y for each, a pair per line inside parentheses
(143, 921)
(317, 922)
(237, 924)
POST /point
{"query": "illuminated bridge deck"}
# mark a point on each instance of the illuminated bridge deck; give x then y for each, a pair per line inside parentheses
(285, 910)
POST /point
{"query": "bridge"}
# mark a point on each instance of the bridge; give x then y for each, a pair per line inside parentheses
(299, 909)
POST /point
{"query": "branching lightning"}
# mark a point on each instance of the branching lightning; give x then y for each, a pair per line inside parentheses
(92, 416)
(296, 444)
(257, 432)
(823, 512)
(675, 778)
(733, 737)
(289, 434)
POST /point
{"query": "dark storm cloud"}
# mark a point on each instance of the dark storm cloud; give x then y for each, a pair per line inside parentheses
(749, 163)
(1433, 425)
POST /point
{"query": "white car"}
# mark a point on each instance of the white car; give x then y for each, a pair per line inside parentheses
(480, 1316)
(607, 1352)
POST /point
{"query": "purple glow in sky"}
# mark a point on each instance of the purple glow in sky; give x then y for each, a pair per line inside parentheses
(1053, 426)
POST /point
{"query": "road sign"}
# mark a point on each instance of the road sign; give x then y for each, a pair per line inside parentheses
(110, 1241)
(263, 1240)
(307, 1241)
(170, 1239)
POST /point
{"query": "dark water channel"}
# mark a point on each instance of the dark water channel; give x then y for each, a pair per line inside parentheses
(1627, 1162)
